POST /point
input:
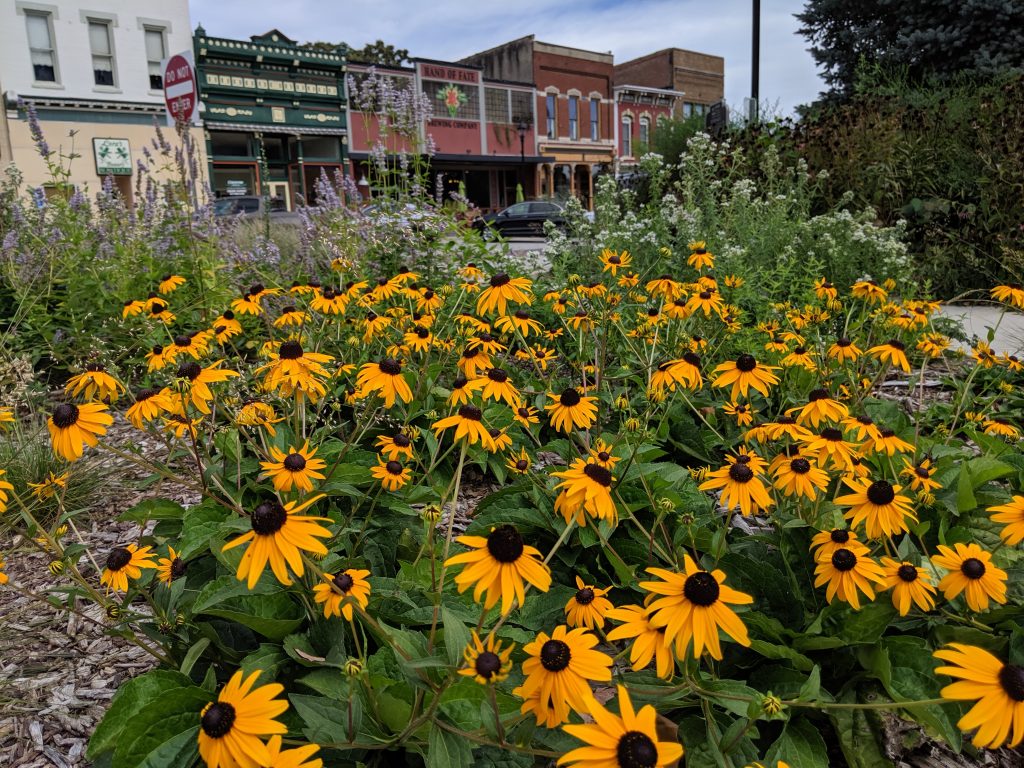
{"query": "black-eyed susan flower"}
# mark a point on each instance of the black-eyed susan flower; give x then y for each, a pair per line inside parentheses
(74, 426)
(292, 370)
(392, 474)
(743, 374)
(386, 379)
(829, 448)
(279, 536)
(468, 423)
(889, 443)
(497, 565)
(5, 487)
(525, 415)
(155, 359)
(295, 468)
(558, 673)
(664, 286)
(741, 412)
(150, 404)
(170, 568)
(501, 291)
(998, 716)
(471, 272)
(1011, 516)
(131, 308)
(627, 740)
(847, 574)
(800, 357)
(198, 380)
(611, 261)
(52, 485)
(329, 301)
(226, 327)
(585, 491)
(291, 317)
(693, 606)
(844, 350)
(708, 302)
(910, 585)
(170, 283)
(870, 291)
(337, 593)
(820, 407)
(1001, 427)
(232, 726)
(256, 413)
(825, 290)
(520, 321)
(741, 487)
(1011, 294)
(495, 385)
(601, 454)
(487, 662)
(299, 757)
(920, 475)
(571, 410)
(519, 463)
(892, 352)
(179, 425)
(125, 563)
(419, 339)
(878, 505)
(94, 383)
(195, 345)
(649, 641)
(799, 477)
(862, 428)
(473, 362)
(160, 311)
(588, 607)
(685, 371)
(824, 543)
(972, 572)
(394, 447)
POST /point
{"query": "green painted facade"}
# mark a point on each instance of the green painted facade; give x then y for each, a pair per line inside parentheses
(274, 113)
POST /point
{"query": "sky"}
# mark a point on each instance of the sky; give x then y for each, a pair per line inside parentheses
(451, 29)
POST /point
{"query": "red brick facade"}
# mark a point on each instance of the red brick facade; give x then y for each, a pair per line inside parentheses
(700, 76)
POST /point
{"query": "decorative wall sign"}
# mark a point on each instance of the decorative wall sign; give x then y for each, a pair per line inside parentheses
(452, 98)
(113, 157)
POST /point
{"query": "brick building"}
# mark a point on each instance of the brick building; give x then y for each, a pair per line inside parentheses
(575, 110)
(700, 76)
(640, 110)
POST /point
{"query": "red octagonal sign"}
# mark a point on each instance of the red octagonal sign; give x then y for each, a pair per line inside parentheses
(180, 91)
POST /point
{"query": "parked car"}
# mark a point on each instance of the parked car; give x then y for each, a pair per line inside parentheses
(251, 206)
(522, 219)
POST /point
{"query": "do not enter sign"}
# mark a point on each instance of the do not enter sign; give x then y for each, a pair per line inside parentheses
(181, 93)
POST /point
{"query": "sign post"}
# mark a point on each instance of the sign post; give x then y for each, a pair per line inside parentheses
(181, 89)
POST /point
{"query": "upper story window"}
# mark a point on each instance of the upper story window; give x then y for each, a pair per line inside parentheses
(40, 45)
(102, 52)
(687, 109)
(627, 136)
(595, 122)
(551, 103)
(156, 51)
(522, 107)
(574, 117)
(645, 130)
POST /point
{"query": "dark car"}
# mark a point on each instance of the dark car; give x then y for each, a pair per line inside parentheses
(522, 219)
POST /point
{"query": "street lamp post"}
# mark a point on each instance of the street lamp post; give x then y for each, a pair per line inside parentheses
(522, 126)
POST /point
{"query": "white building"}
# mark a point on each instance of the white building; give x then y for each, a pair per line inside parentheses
(91, 68)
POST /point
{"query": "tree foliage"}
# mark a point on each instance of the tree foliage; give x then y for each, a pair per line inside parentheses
(380, 53)
(928, 38)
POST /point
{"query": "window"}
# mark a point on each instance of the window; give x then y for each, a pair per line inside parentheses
(552, 101)
(155, 53)
(645, 131)
(627, 136)
(447, 98)
(687, 109)
(574, 117)
(40, 45)
(522, 107)
(102, 52)
(496, 105)
(595, 122)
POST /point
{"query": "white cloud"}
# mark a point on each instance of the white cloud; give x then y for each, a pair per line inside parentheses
(451, 29)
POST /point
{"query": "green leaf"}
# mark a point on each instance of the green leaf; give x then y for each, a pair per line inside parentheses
(985, 468)
(858, 732)
(731, 688)
(811, 689)
(180, 750)
(157, 728)
(965, 500)
(325, 720)
(446, 750)
(153, 509)
(193, 655)
(274, 616)
(800, 745)
(867, 624)
(128, 702)
(200, 525)
(456, 636)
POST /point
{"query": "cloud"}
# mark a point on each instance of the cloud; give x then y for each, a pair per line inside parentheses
(451, 29)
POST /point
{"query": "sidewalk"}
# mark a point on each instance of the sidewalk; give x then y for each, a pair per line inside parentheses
(976, 320)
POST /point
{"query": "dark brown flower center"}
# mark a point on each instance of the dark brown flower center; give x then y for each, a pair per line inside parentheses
(290, 350)
(487, 665)
(585, 596)
(268, 518)
(393, 468)
(843, 342)
(498, 375)
(907, 573)
(741, 473)
(460, 382)
(603, 456)
(636, 750)
(118, 558)
(801, 466)
(881, 493)
(422, 332)
(522, 465)
(505, 544)
(255, 288)
(972, 568)
(390, 366)
(692, 358)
(1011, 678)
(499, 280)
(705, 295)
(555, 655)
(896, 344)
(746, 363)
(145, 394)
(228, 315)
(886, 433)
(294, 462)
(569, 397)
(818, 394)
(522, 314)
(177, 568)
(701, 589)
(343, 582)
(844, 560)
(218, 719)
(839, 535)
(401, 440)
(65, 415)
(470, 412)
(832, 434)
(598, 474)
(189, 370)
(922, 472)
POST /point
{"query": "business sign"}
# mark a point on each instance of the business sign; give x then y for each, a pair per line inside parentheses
(181, 92)
(236, 188)
(113, 157)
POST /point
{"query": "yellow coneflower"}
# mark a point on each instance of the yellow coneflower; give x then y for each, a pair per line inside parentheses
(329, 302)
(971, 571)
(824, 543)
(627, 740)
(198, 381)
(256, 413)
(94, 383)
(468, 423)
(386, 379)
(700, 257)
(733, 281)
(920, 475)
(800, 357)
(572, 410)
(799, 477)
(73, 426)
(889, 443)
(50, 486)
(893, 352)
(131, 308)
(869, 290)
(473, 362)
(155, 359)
(3, 576)
(1011, 516)
(820, 407)
(847, 574)
(1011, 294)
(290, 317)
(997, 688)
(588, 607)
(495, 385)
(1001, 427)
(297, 468)
(745, 373)
(497, 565)
(558, 673)
(226, 327)
(428, 300)
(170, 568)
(909, 584)
(178, 424)
(292, 758)
(664, 286)
(741, 487)
(339, 592)
(149, 405)
(613, 262)
(460, 395)
(419, 339)
(279, 535)
(844, 350)
(170, 283)
(879, 505)
(824, 290)
(231, 727)
(744, 414)
(581, 321)
(649, 642)
(125, 563)
(392, 474)
(4, 488)
(693, 606)
(862, 428)
(543, 356)
(519, 463)
(684, 371)
(394, 447)
(195, 345)
(707, 302)
(487, 662)
(501, 291)
(525, 415)
(829, 448)
(585, 490)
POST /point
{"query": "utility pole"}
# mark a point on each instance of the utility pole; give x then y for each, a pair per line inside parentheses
(755, 64)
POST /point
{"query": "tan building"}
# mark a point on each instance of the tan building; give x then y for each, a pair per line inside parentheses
(91, 70)
(700, 76)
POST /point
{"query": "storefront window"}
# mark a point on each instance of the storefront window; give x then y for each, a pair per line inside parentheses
(230, 144)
